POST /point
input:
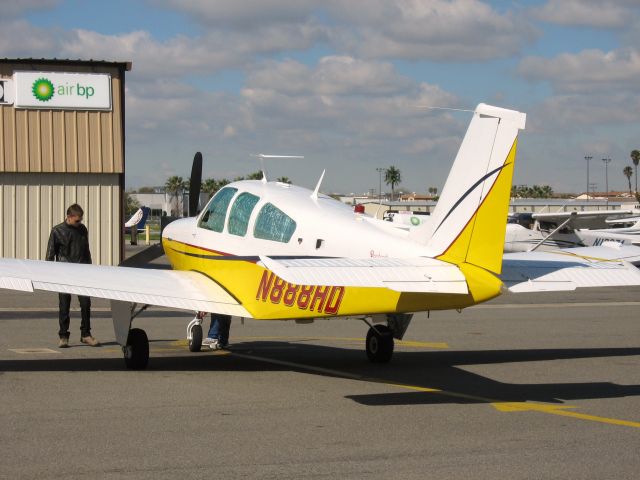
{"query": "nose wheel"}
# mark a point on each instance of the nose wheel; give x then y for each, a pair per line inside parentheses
(379, 344)
(194, 332)
(195, 342)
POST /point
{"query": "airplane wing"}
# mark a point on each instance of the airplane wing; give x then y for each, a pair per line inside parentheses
(418, 274)
(167, 288)
(585, 219)
(570, 269)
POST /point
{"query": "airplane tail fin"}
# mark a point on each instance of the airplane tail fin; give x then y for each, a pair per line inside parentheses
(469, 222)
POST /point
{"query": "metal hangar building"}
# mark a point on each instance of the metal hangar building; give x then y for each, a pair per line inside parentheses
(62, 141)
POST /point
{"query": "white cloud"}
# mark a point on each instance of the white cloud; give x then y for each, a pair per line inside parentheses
(412, 29)
(587, 13)
(334, 75)
(13, 8)
(245, 14)
(344, 114)
(586, 71)
(430, 29)
(573, 112)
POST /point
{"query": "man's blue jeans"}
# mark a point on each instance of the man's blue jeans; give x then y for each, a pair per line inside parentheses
(219, 329)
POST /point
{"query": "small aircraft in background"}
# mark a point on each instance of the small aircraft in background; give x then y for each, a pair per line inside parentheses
(550, 231)
(273, 251)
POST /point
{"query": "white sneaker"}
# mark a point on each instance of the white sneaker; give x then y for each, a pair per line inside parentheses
(212, 343)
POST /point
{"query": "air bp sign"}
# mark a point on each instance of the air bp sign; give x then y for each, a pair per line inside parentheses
(6, 91)
(53, 90)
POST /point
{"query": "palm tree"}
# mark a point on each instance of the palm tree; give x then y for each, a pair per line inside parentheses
(131, 204)
(635, 158)
(392, 177)
(209, 186)
(547, 191)
(628, 171)
(284, 180)
(174, 186)
(255, 175)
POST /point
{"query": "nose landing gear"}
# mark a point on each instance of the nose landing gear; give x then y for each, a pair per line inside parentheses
(194, 332)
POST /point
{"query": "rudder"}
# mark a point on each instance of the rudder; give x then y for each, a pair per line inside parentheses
(469, 222)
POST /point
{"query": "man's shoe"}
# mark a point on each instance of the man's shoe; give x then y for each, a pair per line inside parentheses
(212, 343)
(223, 346)
(63, 343)
(92, 342)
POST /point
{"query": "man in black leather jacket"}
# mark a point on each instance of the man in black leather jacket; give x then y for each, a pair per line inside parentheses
(69, 242)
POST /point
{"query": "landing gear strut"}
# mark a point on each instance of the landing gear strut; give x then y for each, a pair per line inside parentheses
(134, 341)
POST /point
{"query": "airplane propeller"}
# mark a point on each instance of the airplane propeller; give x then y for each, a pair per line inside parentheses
(195, 184)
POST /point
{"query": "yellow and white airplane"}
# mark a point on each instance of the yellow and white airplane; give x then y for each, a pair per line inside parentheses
(273, 251)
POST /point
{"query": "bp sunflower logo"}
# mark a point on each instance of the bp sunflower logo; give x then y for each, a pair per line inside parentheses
(42, 89)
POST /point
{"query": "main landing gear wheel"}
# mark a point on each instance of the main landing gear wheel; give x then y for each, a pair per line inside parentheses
(379, 344)
(195, 342)
(136, 352)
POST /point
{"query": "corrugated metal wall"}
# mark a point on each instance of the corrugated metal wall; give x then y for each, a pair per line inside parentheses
(35, 140)
(30, 204)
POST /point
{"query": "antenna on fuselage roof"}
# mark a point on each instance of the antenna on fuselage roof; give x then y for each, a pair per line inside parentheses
(262, 156)
(314, 195)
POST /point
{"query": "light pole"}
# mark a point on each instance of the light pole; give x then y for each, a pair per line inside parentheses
(588, 159)
(606, 161)
(380, 170)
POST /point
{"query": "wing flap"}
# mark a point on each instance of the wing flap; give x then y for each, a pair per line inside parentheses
(421, 275)
(167, 288)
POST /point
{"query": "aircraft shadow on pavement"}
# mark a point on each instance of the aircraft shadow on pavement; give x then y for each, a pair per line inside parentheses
(433, 369)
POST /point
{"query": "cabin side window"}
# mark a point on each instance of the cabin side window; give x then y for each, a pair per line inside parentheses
(273, 224)
(240, 213)
(213, 218)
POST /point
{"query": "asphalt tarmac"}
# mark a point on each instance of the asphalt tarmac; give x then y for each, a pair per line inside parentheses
(528, 386)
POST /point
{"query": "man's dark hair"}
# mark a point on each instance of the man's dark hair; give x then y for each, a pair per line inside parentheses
(75, 209)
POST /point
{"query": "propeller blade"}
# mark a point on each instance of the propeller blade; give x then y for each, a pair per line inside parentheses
(195, 184)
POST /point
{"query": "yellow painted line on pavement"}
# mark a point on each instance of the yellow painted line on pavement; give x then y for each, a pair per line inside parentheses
(562, 410)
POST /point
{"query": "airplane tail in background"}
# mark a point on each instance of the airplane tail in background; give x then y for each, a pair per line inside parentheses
(469, 222)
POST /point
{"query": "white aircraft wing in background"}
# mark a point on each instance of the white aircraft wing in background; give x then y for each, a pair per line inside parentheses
(166, 288)
(569, 269)
(588, 219)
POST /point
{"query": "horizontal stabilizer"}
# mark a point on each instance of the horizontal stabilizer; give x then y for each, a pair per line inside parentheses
(557, 271)
(418, 274)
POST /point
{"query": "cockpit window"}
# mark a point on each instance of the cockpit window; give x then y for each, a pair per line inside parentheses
(240, 213)
(213, 218)
(273, 224)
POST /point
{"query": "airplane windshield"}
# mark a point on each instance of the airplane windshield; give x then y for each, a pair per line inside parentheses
(240, 213)
(273, 224)
(213, 218)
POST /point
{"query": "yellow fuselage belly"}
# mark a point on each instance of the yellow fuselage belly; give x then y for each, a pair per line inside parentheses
(267, 297)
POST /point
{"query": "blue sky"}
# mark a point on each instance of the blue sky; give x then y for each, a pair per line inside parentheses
(339, 83)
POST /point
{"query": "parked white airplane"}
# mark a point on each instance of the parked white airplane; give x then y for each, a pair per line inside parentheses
(269, 251)
(550, 231)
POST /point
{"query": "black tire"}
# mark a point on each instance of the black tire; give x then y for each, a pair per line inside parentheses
(379, 344)
(196, 338)
(136, 353)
